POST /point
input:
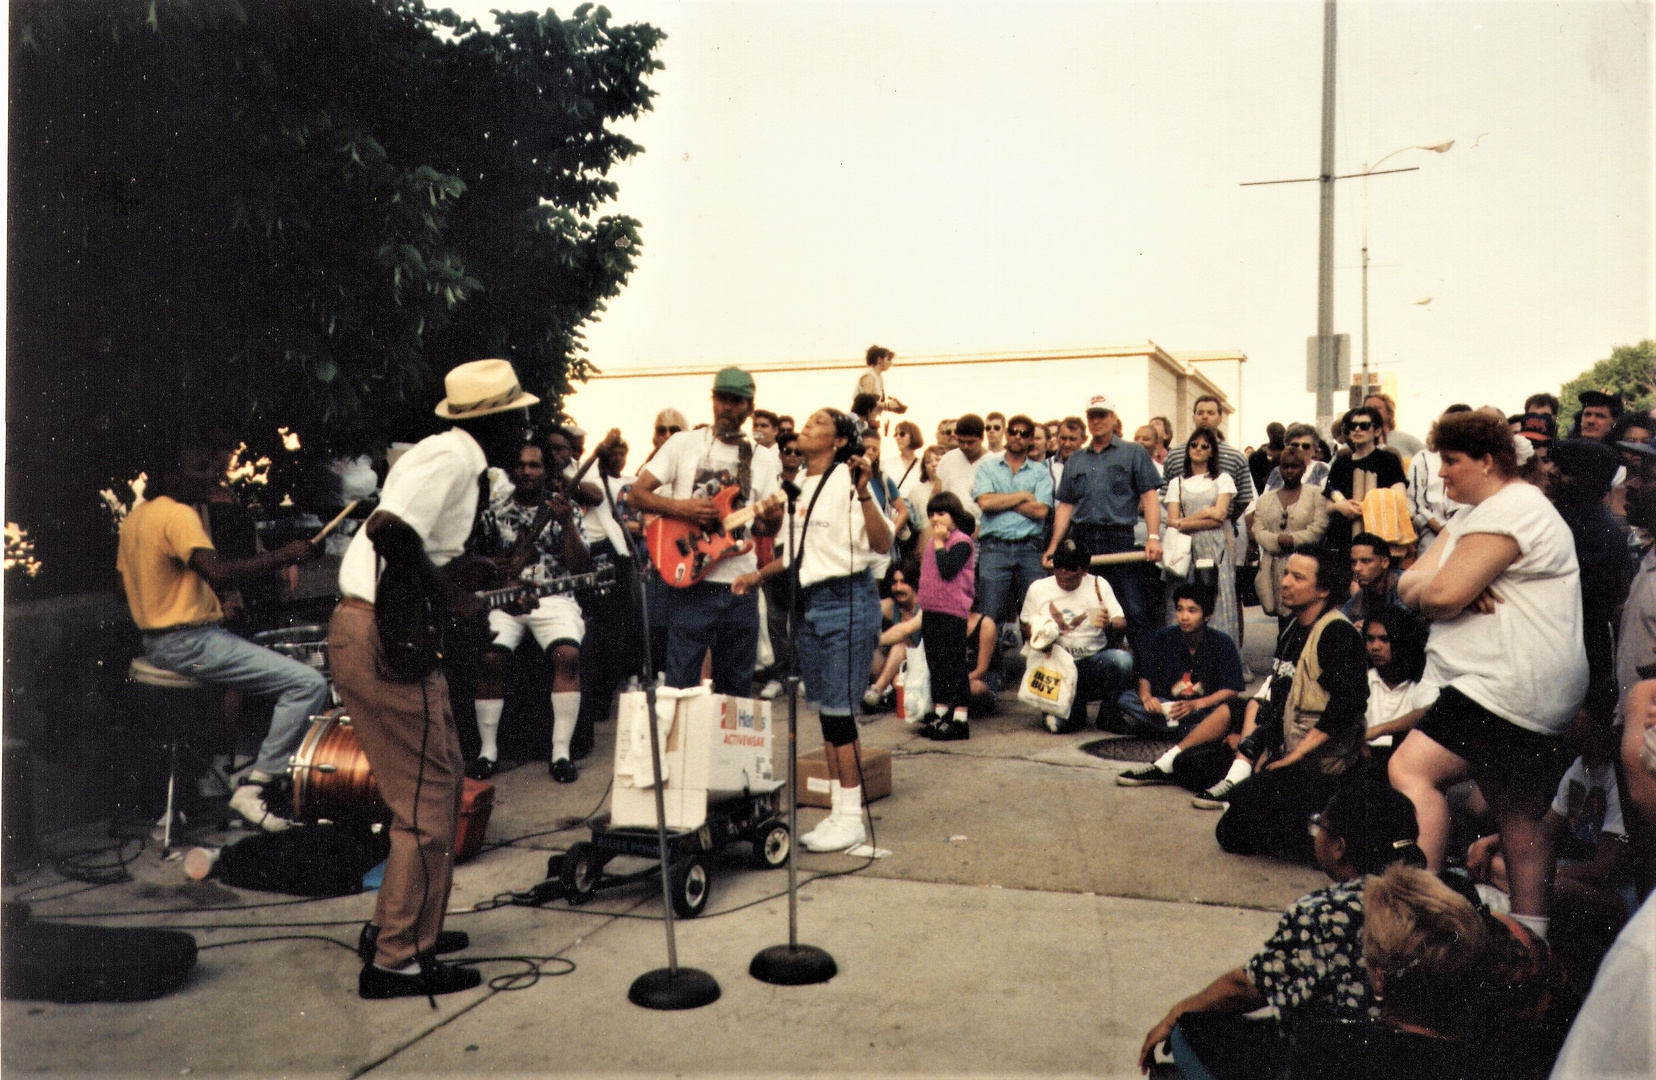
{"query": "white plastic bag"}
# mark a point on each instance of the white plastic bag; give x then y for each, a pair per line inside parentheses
(1049, 682)
(916, 676)
(1175, 552)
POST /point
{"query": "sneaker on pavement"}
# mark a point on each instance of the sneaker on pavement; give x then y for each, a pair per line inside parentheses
(248, 801)
(950, 731)
(772, 690)
(1214, 798)
(811, 834)
(1059, 726)
(1148, 774)
(481, 769)
(563, 771)
(836, 834)
(872, 701)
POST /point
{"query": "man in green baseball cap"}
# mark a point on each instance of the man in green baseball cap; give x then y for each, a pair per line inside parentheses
(690, 478)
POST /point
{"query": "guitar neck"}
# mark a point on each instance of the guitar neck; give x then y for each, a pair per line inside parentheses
(499, 598)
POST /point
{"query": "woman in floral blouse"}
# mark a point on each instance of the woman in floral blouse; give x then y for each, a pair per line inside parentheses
(1312, 964)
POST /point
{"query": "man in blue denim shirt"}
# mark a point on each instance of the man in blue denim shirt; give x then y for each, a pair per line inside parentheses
(169, 569)
(1015, 495)
(1108, 484)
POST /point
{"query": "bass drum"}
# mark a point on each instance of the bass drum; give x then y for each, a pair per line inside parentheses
(331, 777)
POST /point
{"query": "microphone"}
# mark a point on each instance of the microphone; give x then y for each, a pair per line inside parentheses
(791, 489)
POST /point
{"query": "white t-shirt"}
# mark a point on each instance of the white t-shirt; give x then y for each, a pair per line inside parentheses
(695, 465)
(1198, 485)
(598, 523)
(837, 545)
(1588, 800)
(1386, 703)
(432, 487)
(1072, 611)
(1525, 663)
(957, 474)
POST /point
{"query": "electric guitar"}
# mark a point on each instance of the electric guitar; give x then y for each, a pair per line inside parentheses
(600, 579)
(683, 553)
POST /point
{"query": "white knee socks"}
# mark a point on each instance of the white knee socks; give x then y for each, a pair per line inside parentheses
(488, 725)
(566, 708)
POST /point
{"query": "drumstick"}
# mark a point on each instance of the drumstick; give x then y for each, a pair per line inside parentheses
(334, 524)
(1119, 558)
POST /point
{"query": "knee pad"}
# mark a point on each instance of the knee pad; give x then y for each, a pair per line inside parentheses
(838, 730)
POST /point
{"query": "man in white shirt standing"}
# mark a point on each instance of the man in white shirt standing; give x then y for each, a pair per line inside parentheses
(691, 468)
(957, 470)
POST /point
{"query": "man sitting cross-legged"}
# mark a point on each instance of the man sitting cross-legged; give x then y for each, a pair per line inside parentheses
(1087, 613)
(556, 621)
(1188, 676)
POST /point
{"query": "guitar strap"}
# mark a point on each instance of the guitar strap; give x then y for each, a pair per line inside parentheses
(810, 508)
(484, 492)
(744, 469)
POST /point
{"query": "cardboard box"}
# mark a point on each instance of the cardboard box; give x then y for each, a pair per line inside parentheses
(713, 748)
(813, 776)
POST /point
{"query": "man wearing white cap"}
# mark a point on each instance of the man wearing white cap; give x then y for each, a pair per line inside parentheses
(1107, 485)
(397, 697)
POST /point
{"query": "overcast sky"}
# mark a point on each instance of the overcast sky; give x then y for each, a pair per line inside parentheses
(962, 177)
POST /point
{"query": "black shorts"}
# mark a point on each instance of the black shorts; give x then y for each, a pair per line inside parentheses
(1509, 763)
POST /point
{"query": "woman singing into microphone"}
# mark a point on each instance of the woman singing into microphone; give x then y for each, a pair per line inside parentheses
(838, 528)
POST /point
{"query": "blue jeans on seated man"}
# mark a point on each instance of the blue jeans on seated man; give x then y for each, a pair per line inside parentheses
(1157, 726)
(1005, 571)
(708, 616)
(215, 655)
(1098, 677)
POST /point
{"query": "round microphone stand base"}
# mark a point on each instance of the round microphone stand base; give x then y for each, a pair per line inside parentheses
(793, 965)
(665, 988)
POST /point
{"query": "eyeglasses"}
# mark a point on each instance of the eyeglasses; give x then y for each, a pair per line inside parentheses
(1300, 445)
(1020, 433)
(660, 430)
(1314, 824)
(1360, 425)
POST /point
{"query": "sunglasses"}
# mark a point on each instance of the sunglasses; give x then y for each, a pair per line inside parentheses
(1360, 425)
(991, 427)
(1020, 433)
(667, 430)
(1300, 445)
(790, 449)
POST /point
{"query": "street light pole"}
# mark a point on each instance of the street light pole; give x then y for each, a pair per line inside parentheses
(1325, 229)
(1368, 170)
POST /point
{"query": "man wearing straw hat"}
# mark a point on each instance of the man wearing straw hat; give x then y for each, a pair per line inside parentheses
(397, 698)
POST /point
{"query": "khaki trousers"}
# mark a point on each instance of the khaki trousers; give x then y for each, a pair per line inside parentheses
(407, 732)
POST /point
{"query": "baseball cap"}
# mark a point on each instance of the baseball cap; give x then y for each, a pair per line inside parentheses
(1099, 402)
(735, 382)
(1539, 428)
(1613, 402)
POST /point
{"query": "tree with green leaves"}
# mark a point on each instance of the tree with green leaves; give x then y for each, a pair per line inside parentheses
(295, 213)
(1630, 371)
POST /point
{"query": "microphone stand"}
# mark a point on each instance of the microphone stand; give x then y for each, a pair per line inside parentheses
(671, 987)
(793, 964)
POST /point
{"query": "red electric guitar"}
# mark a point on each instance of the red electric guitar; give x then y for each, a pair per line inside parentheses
(683, 553)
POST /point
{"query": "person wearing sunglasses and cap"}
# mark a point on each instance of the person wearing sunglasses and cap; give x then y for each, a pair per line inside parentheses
(680, 482)
(427, 510)
(1369, 467)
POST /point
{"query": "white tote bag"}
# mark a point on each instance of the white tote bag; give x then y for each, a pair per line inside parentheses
(1049, 682)
(916, 676)
(1175, 547)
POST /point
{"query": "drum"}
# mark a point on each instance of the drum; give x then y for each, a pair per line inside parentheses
(331, 777)
(306, 644)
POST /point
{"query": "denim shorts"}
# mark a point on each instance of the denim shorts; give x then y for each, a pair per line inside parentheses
(838, 634)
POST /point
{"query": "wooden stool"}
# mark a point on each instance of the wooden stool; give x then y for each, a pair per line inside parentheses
(169, 684)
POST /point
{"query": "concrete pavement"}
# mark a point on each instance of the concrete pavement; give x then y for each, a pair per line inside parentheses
(1032, 918)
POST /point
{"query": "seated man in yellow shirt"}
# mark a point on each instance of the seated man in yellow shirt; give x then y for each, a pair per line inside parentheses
(169, 569)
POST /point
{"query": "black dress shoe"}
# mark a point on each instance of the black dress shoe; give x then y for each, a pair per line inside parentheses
(563, 771)
(481, 769)
(434, 977)
(448, 941)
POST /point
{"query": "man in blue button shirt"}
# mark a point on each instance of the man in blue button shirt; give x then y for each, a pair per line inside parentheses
(1108, 484)
(1015, 495)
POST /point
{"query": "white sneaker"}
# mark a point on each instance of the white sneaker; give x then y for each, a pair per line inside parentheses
(1052, 722)
(248, 801)
(772, 690)
(836, 834)
(813, 833)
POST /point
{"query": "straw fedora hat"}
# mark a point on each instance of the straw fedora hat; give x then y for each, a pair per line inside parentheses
(481, 387)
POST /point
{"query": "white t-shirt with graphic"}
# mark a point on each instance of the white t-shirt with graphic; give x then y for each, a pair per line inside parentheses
(695, 465)
(1072, 611)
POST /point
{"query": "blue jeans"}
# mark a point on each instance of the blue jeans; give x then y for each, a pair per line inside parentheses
(1143, 723)
(708, 616)
(838, 633)
(1006, 569)
(215, 655)
(1100, 677)
(1127, 582)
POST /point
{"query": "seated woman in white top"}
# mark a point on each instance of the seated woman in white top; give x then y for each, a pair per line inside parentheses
(1397, 657)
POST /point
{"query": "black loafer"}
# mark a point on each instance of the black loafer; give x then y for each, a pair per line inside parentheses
(433, 978)
(481, 769)
(448, 941)
(563, 771)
